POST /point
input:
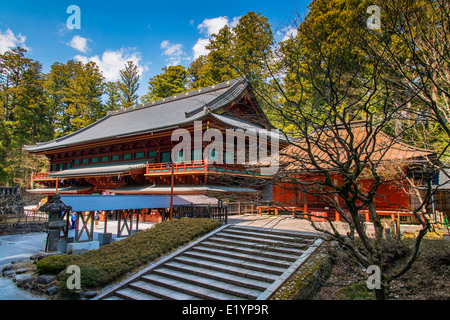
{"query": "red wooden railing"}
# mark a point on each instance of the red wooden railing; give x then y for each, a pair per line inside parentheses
(43, 176)
(180, 168)
(199, 167)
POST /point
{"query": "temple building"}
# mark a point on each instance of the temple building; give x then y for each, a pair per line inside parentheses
(129, 151)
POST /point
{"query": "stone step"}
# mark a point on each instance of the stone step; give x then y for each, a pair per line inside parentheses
(263, 252)
(112, 298)
(296, 234)
(130, 294)
(188, 288)
(236, 262)
(240, 237)
(266, 235)
(250, 244)
(161, 292)
(216, 285)
(239, 271)
(243, 256)
(218, 275)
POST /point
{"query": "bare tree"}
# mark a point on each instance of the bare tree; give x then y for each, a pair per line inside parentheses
(350, 100)
(343, 124)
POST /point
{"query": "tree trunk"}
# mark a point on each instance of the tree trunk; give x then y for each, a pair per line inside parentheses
(380, 293)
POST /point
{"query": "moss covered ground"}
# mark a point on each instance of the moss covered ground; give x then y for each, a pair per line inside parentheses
(111, 262)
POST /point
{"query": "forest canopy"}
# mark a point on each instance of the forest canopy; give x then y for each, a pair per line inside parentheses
(286, 75)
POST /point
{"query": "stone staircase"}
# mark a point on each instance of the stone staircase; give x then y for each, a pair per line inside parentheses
(232, 263)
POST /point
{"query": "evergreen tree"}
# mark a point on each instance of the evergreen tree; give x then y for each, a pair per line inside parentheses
(75, 91)
(24, 117)
(171, 81)
(221, 60)
(329, 38)
(252, 47)
(85, 97)
(129, 84)
(112, 93)
(57, 83)
(244, 50)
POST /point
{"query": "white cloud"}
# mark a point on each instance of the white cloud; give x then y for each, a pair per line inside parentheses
(209, 27)
(290, 33)
(200, 48)
(111, 62)
(79, 43)
(9, 41)
(174, 52)
(171, 49)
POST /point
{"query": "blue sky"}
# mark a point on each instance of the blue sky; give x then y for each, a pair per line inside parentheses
(153, 34)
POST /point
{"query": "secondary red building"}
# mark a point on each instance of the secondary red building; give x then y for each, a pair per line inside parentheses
(302, 188)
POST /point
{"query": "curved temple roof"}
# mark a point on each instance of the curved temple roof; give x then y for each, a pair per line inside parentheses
(153, 116)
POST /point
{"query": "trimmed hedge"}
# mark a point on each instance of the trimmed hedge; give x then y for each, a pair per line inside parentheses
(110, 262)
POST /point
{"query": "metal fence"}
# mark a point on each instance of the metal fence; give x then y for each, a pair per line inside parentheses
(10, 201)
(201, 211)
(237, 208)
(9, 191)
(14, 218)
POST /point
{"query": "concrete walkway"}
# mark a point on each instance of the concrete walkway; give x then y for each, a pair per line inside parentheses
(22, 246)
(15, 248)
(297, 224)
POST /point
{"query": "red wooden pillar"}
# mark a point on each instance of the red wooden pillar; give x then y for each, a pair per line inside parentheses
(338, 217)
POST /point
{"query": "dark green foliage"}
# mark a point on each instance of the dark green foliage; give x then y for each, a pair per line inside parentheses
(129, 84)
(24, 117)
(171, 81)
(53, 264)
(110, 262)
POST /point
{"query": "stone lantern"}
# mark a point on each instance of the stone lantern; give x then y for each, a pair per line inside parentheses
(56, 211)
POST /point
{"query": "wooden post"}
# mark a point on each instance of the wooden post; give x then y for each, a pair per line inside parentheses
(91, 218)
(77, 226)
(106, 221)
(118, 222)
(137, 218)
(305, 204)
(443, 202)
(171, 192)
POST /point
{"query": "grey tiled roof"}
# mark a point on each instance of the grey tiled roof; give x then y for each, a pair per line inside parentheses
(241, 124)
(100, 169)
(157, 115)
(153, 189)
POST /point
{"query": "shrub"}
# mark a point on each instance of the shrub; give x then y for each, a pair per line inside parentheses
(53, 264)
(110, 262)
